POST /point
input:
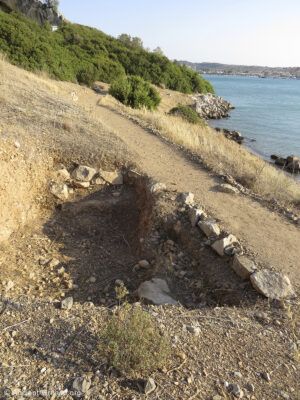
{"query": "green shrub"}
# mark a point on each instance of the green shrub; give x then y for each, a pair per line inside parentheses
(133, 91)
(80, 53)
(131, 342)
(188, 114)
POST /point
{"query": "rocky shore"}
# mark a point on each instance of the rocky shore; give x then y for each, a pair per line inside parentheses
(290, 164)
(211, 106)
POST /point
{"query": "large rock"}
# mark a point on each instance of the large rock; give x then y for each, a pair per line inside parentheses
(221, 245)
(211, 106)
(209, 227)
(34, 9)
(112, 177)
(195, 214)
(83, 173)
(272, 285)
(187, 198)
(157, 292)
(243, 266)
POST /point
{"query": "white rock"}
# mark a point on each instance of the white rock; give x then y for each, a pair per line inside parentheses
(195, 214)
(9, 285)
(60, 191)
(187, 198)
(112, 177)
(144, 264)
(157, 187)
(226, 188)
(150, 386)
(17, 145)
(243, 266)
(83, 173)
(63, 174)
(82, 185)
(220, 245)
(272, 284)
(81, 384)
(156, 291)
(209, 227)
(67, 303)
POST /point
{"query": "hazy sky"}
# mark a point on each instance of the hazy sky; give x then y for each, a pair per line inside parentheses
(252, 32)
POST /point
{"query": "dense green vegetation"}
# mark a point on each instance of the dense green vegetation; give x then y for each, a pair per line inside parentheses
(79, 53)
(188, 114)
(133, 91)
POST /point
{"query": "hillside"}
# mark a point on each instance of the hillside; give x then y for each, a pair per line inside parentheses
(244, 70)
(81, 54)
(100, 232)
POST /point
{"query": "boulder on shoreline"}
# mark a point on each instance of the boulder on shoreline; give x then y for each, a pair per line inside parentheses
(236, 136)
(211, 106)
(290, 164)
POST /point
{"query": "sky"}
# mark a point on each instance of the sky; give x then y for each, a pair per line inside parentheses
(246, 32)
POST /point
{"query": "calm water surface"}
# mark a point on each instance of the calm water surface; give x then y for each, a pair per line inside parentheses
(267, 110)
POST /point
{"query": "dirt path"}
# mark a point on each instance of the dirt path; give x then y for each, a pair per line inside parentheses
(271, 238)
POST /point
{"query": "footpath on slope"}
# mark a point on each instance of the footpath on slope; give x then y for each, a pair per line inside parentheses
(270, 238)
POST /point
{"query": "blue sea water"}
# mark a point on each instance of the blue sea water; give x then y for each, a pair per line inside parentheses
(267, 110)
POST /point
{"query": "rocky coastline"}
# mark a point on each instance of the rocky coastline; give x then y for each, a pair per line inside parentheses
(290, 164)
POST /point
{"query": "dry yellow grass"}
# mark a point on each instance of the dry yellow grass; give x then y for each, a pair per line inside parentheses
(218, 153)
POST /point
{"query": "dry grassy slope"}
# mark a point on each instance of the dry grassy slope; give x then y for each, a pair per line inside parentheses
(76, 130)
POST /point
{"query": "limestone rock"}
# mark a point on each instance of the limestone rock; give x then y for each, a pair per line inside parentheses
(112, 177)
(209, 227)
(272, 285)
(195, 214)
(187, 198)
(156, 291)
(226, 188)
(82, 185)
(157, 187)
(150, 386)
(220, 245)
(81, 384)
(83, 173)
(211, 106)
(243, 266)
(67, 303)
(63, 175)
(35, 10)
(60, 191)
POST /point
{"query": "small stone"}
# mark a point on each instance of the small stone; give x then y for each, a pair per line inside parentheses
(54, 263)
(243, 267)
(237, 374)
(220, 245)
(236, 391)
(284, 395)
(60, 191)
(112, 177)
(67, 303)
(144, 264)
(194, 330)
(195, 214)
(260, 315)
(250, 387)
(10, 284)
(83, 173)
(156, 291)
(150, 386)
(81, 384)
(226, 188)
(99, 181)
(209, 227)
(17, 145)
(81, 184)
(92, 279)
(119, 282)
(187, 198)
(61, 271)
(272, 285)
(266, 376)
(63, 174)
(157, 187)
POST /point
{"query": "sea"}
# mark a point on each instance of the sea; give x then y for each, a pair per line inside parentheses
(267, 112)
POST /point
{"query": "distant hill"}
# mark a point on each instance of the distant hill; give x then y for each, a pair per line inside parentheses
(247, 70)
(82, 54)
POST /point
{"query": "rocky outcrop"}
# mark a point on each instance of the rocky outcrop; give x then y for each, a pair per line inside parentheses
(291, 163)
(33, 9)
(211, 106)
(236, 136)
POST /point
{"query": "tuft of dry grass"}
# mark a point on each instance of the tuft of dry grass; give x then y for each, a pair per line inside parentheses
(218, 153)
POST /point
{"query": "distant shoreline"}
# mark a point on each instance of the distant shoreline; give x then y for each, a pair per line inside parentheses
(248, 76)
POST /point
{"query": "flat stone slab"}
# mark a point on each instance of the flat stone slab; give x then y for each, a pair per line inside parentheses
(157, 292)
(112, 177)
(272, 285)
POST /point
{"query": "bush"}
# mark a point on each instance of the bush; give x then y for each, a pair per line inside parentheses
(131, 342)
(133, 91)
(80, 53)
(188, 114)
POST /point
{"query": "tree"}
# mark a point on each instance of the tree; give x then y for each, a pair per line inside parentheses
(158, 51)
(126, 39)
(137, 43)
